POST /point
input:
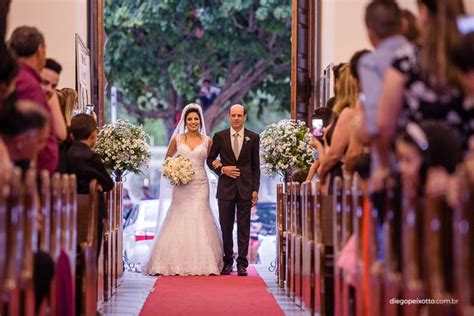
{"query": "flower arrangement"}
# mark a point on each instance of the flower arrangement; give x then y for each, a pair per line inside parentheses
(178, 169)
(123, 147)
(285, 147)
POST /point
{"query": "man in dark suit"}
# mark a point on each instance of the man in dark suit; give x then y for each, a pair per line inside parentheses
(239, 180)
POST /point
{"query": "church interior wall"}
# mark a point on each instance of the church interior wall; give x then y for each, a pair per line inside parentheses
(59, 21)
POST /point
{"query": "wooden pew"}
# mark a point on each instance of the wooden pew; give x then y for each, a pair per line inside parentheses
(308, 247)
(298, 239)
(4, 190)
(438, 254)
(119, 230)
(463, 239)
(289, 262)
(87, 239)
(55, 230)
(347, 210)
(357, 199)
(327, 237)
(108, 241)
(412, 240)
(281, 238)
(338, 243)
(319, 265)
(65, 212)
(294, 196)
(45, 200)
(376, 266)
(72, 247)
(114, 243)
(348, 304)
(15, 219)
(30, 243)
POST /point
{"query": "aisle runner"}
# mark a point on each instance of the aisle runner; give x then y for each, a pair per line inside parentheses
(211, 295)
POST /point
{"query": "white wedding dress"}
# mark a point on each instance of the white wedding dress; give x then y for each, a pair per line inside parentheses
(189, 241)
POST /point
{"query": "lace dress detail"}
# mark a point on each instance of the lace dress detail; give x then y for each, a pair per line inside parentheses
(188, 242)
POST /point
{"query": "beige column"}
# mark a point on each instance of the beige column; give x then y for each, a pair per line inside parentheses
(59, 21)
(344, 28)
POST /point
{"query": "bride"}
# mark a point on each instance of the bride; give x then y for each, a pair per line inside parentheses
(187, 240)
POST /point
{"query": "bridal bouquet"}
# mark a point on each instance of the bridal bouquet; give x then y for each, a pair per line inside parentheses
(286, 146)
(123, 147)
(178, 169)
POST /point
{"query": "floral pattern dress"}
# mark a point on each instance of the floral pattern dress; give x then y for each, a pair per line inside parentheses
(421, 102)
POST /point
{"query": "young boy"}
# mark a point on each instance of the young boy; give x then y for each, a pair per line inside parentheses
(86, 164)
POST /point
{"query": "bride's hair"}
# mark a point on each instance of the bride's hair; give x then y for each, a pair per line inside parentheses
(192, 110)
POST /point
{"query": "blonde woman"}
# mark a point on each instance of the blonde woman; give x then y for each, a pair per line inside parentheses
(67, 101)
(338, 134)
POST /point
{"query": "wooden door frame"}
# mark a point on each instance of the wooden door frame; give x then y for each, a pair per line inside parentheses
(96, 42)
(305, 57)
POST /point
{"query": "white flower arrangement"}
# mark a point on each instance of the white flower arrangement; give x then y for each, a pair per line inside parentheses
(178, 169)
(123, 147)
(285, 147)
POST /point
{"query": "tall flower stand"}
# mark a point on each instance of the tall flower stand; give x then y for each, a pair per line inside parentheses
(118, 224)
(113, 238)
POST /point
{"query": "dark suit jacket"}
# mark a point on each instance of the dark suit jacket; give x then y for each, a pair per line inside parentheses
(87, 165)
(248, 163)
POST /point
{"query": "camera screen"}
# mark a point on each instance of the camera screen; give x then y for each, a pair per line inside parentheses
(317, 127)
(466, 24)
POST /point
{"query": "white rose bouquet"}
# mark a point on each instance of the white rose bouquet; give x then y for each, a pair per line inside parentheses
(123, 147)
(178, 169)
(286, 146)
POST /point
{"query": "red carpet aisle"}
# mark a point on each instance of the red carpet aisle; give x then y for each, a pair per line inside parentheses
(211, 295)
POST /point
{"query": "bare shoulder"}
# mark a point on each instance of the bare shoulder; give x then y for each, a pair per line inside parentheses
(347, 114)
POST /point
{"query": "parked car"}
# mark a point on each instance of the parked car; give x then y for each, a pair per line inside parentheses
(139, 230)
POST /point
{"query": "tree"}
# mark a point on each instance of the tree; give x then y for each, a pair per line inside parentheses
(158, 52)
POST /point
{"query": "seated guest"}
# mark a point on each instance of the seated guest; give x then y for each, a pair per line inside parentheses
(299, 175)
(24, 126)
(8, 72)
(317, 139)
(28, 44)
(50, 75)
(465, 62)
(67, 101)
(415, 91)
(409, 27)
(88, 164)
(25, 129)
(338, 133)
(423, 148)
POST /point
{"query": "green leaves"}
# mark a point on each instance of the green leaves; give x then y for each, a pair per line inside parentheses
(166, 47)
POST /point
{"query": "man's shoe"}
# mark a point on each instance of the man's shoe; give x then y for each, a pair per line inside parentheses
(227, 269)
(241, 271)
